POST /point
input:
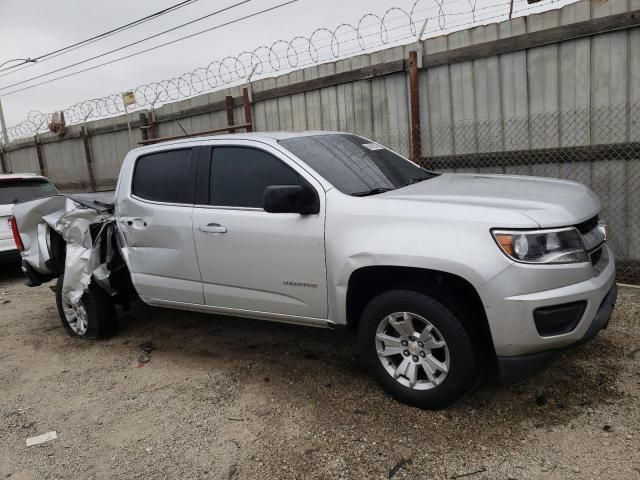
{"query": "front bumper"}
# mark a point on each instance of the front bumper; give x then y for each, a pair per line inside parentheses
(512, 297)
(514, 369)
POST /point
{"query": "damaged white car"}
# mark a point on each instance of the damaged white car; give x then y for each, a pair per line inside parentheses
(18, 188)
(442, 275)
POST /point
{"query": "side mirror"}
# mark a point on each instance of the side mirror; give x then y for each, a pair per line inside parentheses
(291, 199)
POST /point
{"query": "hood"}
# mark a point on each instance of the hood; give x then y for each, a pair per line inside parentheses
(548, 202)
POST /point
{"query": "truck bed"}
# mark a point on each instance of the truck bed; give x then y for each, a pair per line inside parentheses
(104, 198)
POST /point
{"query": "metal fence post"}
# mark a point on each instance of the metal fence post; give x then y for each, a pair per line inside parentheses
(247, 109)
(144, 127)
(41, 164)
(84, 133)
(153, 126)
(228, 105)
(414, 102)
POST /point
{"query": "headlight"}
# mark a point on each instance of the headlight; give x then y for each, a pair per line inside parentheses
(561, 245)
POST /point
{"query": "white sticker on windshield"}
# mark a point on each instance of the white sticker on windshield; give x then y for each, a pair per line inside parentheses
(373, 146)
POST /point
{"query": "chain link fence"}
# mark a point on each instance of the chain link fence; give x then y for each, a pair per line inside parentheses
(371, 31)
(598, 147)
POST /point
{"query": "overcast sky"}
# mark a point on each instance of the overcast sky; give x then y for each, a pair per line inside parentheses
(29, 28)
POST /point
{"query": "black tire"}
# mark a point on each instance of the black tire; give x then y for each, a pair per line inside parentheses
(101, 313)
(463, 371)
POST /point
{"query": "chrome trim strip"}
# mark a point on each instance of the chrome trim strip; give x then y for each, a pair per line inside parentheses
(164, 204)
(221, 207)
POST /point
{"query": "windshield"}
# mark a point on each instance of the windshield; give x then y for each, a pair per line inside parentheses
(18, 191)
(354, 165)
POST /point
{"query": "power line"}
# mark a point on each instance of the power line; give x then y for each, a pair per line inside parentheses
(22, 60)
(95, 38)
(95, 57)
(150, 49)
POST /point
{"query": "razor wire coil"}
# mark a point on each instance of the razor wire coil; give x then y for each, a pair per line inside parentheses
(323, 44)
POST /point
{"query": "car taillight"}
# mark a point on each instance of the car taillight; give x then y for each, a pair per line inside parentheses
(16, 234)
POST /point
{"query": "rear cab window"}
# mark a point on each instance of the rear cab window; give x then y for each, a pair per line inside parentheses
(24, 190)
(164, 177)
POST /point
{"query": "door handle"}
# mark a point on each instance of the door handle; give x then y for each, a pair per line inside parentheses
(136, 222)
(212, 228)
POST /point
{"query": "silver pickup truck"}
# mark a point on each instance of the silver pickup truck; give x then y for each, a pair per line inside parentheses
(442, 275)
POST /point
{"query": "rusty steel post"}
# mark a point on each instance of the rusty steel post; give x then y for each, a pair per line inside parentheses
(228, 105)
(41, 164)
(414, 97)
(148, 128)
(247, 109)
(153, 126)
(3, 163)
(144, 127)
(89, 158)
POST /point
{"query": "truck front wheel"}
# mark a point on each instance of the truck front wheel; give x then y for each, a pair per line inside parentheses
(416, 349)
(92, 318)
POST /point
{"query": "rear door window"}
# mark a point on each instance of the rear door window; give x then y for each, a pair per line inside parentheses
(239, 176)
(19, 191)
(163, 177)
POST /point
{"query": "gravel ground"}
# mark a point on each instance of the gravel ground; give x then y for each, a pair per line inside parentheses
(236, 398)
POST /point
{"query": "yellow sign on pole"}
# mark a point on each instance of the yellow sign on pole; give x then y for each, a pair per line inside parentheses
(129, 98)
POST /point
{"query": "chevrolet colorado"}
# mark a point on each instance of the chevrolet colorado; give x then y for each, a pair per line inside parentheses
(440, 273)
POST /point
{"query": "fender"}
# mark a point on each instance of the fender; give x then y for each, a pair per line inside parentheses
(340, 281)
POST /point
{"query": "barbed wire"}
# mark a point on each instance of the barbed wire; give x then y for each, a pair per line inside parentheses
(371, 31)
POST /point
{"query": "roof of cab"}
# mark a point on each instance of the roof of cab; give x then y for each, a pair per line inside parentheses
(267, 137)
(20, 176)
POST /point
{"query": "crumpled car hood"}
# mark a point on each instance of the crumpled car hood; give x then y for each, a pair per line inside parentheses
(548, 202)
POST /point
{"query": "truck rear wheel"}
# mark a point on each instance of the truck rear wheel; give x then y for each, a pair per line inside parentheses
(416, 349)
(93, 318)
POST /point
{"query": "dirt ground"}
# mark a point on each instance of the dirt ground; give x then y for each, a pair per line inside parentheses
(236, 398)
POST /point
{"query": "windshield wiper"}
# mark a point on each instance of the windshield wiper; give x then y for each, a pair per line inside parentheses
(373, 191)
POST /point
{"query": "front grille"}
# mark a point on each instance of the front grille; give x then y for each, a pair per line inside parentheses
(588, 225)
(594, 242)
(599, 260)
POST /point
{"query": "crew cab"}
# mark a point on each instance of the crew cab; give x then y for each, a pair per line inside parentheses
(18, 188)
(442, 274)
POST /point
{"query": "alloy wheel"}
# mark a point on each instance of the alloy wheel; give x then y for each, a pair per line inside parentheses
(76, 316)
(412, 350)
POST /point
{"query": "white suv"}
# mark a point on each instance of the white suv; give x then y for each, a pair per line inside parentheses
(18, 188)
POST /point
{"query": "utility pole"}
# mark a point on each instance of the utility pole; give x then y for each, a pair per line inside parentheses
(3, 126)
